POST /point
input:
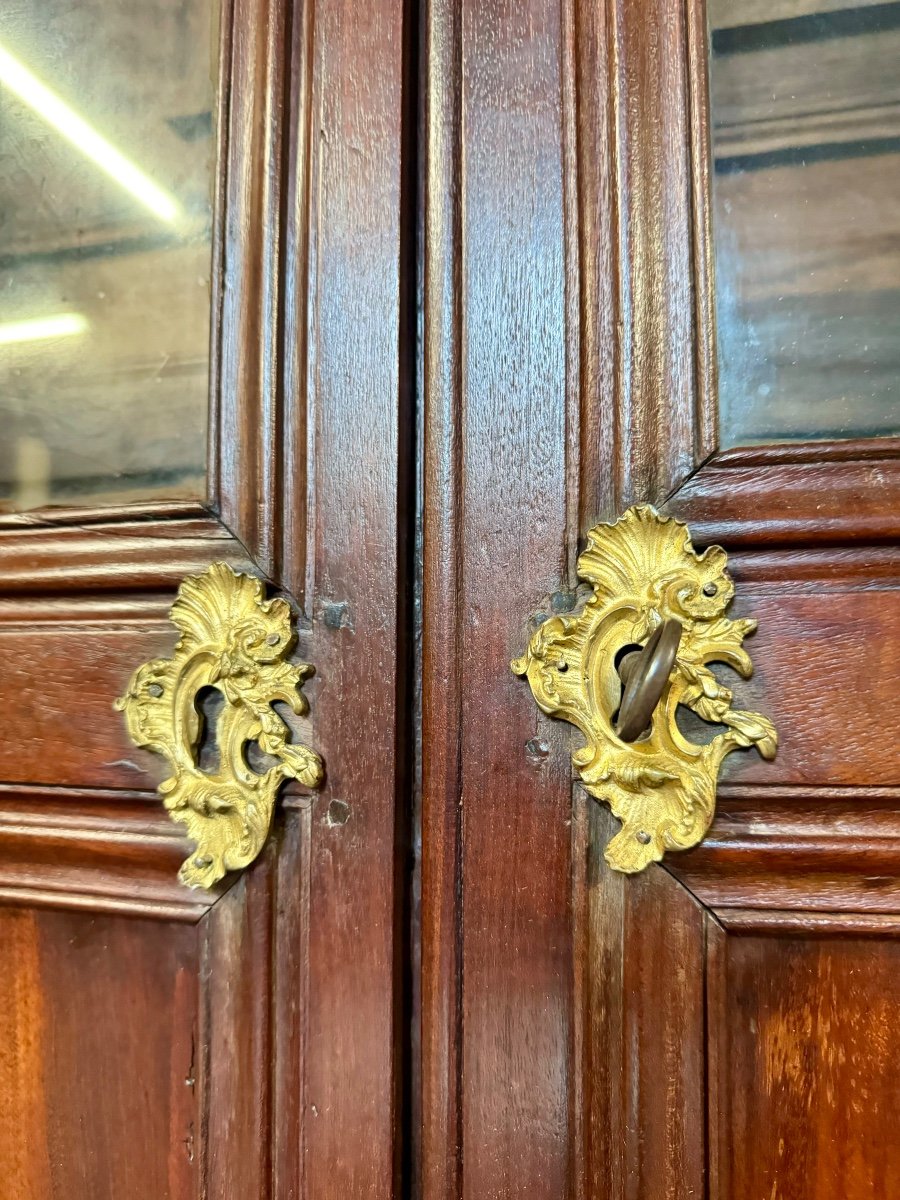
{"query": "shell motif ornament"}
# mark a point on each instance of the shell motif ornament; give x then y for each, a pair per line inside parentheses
(643, 571)
(235, 640)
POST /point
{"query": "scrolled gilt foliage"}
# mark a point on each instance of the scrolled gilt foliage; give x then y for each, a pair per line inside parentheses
(643, 570)
(235, 640)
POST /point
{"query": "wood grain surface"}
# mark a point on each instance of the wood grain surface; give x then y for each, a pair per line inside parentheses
(98, 1018)
(801, 1076)
(580, 1035)
(430, 985)
(251, 1042)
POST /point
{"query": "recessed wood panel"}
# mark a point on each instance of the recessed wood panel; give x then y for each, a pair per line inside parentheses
(825, 670)
(97, 1072)
(57, 688)
(805, 1088)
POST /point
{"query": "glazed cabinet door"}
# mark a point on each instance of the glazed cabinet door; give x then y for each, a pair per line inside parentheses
(200, 364)
(662, 267)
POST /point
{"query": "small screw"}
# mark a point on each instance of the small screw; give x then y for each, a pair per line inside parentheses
(273, 639)
(709, 589)
(155, 689)
(338, 813)
(536, 750)
(644, 838)
(562, 666)
(562, 602)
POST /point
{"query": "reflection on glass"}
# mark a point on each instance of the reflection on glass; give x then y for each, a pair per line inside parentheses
(806, 149)
(106, 159)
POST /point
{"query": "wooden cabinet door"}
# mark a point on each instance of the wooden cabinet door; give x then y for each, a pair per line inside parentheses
(721, 1024)
(160, 1042)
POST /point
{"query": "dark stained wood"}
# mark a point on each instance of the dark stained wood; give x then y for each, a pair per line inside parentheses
(348, 325)
(134, 549)
(647, 390)
(292, 1080)
(795, 495)
(440, 1086)
(579, 1034)
(235, 1038)
(849, 637)
(646, 956)
(290, 1004)
(60, 724)
(116, 851)
(496, 993)
(804, 1080)
(98, 1019)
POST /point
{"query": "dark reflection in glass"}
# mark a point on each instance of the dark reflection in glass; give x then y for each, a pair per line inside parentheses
(806, 149)
(106, 160)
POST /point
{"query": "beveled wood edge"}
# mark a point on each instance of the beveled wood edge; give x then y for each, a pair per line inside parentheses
(645, 943)
(766, 904)
(248, 328)
(100, 836)
(797, 848)
(439, 1050)
(129, 549)
(62, 516)
(704, 276)
(813, 451)
(642, 242)
(795, 495)
(90, 902)
(112, 850)
(793, 923)
(102, 831)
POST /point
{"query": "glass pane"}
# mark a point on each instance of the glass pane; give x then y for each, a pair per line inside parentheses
(806, 148)
(106, 161)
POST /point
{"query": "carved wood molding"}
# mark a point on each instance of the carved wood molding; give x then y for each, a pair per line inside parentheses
(141, 549)
(808, 494)
(111, 851)
(640, 116)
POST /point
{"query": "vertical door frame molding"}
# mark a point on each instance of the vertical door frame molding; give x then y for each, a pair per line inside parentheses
(301, 1060)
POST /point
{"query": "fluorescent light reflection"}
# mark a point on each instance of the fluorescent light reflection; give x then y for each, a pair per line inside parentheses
(76, 130)
(40, 329)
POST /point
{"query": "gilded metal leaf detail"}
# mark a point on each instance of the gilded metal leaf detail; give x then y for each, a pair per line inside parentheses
(235, 640)
(643, 570)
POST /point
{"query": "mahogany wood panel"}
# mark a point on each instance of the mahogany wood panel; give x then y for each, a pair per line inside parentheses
(350, 359)
(542, 414)
(98, 1029)
(311, 470)
(64, 665)
(644, 1078)
(134, 549)
(823, 492)
(59, 684)
(829, 849)
(117, 851)
(496, 992)
(640, 141)
(567, 370)
(849, 639)
(235, 1038)
(803, 1090)
(252, 1039)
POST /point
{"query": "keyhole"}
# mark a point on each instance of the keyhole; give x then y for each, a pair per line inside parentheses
(209, 703)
